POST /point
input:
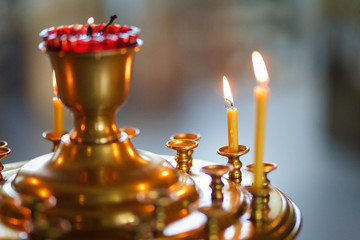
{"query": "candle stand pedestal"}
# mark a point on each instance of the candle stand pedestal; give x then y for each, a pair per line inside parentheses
(234, 160)
(97, 185)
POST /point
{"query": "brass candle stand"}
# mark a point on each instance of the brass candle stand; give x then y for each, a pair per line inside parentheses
(97, 185)
(4, 151)
(234, 160)
(184, 149)
(216, 172)
(54, 138)
(187, 136)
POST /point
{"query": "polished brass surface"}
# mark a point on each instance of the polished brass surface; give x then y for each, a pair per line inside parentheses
(268, 167)
(3, 143)
(283, 219)
(234, 159)
(130, 131)
(182, 147)
(216, 172)
(96, 185)
(188, 136)
(4, 151)
(87, 188)
(54, 138)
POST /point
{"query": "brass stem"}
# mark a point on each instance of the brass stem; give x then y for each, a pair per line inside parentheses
(97, 128)
(234, 160)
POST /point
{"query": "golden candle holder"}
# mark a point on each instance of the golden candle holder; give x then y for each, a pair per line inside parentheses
(96, 185)
(183, 154)
(3, 143)
(234, 160)
(130, 131)
(54, 138)
(4, 151)
(216, 172)
(188, 136)
(268, 167)
(95, 173)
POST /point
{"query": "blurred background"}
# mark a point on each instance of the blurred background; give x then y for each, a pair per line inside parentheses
(311, 48)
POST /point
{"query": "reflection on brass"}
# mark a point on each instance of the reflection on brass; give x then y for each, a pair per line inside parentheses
(130, 131)
(95, 174)
(3, 143)
(182, 147)
(161, 199)
(283, 219)
(96, 185)
(216, 172)
(268, 167)
(54, 138)
(4, 151)
(188, 136)
(234, 160)
(259, 206)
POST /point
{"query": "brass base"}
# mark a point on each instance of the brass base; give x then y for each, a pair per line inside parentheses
(233, 221)
(92, 199)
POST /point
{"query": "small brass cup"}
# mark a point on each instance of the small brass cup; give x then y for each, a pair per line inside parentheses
(234, 160)
(182, 147)
(130, 131)
(268, 167)
(3, 143)
(216, 172)
(188, 136)
(4, 151)
(54, 138)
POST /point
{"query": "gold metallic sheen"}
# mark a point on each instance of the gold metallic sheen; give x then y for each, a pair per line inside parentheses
(87, 188)
(188, 136)
(234, 159)
(283, 220)
(54, 138)
(182, 147)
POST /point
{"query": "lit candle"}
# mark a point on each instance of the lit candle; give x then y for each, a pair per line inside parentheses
(90, 29)
(58, 110)
(261, 92)
(231, 112)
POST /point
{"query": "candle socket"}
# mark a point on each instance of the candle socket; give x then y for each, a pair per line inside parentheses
(187, 136)
(234, 160)
(216, 172)
(4, 151)
(268, 167)
(130, 131)
(53, 137)
(260, 200)
(3, 143)
(182, 147)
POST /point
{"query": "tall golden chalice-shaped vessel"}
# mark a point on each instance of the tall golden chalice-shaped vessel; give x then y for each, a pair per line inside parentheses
(88, 188)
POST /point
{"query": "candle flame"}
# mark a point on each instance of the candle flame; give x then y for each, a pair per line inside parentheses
(54, 82)
(227, 93)
(260, 70)
(90, 20)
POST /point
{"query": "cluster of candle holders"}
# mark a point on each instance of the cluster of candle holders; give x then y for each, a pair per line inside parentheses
(96, 185)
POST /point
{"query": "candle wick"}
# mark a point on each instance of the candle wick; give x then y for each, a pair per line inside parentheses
(89, 31)
(112, 19)
(228, 103)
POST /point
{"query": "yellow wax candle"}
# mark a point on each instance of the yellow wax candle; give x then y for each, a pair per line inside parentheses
(261, 94)
(58, 116)
(58, 111)
(231, 113)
